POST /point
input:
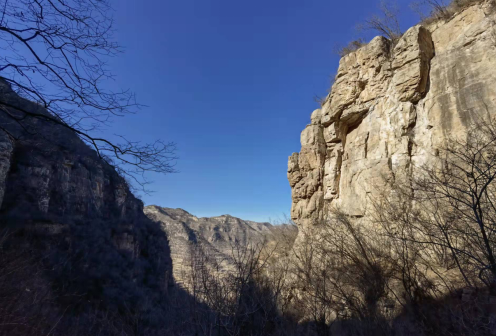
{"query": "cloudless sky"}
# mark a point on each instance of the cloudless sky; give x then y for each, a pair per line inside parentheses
(233, 84)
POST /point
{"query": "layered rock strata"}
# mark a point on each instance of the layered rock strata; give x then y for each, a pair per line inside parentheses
(219, 237)
(72, 224)
(390, 108)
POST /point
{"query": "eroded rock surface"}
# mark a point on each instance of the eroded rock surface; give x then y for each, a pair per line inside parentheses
(218, 236)
(390, 108)
(71, 222)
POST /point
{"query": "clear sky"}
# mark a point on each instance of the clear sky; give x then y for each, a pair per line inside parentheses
(232, 83)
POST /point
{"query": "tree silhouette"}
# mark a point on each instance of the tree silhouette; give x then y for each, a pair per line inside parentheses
(55, 53)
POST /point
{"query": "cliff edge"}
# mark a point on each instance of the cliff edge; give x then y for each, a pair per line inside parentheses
(389, 110)
(77, 253)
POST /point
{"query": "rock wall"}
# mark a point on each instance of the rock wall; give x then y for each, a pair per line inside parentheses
(72, 223)
(390, 108)
(47, 173)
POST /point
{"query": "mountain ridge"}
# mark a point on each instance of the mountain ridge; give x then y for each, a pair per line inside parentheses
(216, 235)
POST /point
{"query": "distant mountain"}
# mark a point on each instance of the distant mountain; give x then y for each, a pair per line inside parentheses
(216, 235)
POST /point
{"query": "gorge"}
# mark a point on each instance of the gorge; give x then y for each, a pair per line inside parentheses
(385, 241)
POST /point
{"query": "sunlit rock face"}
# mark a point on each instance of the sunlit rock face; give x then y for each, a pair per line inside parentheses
(219, 237)
(390, 108)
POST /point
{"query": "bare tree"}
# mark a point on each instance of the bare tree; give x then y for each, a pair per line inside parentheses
(241, 299)
(436, 9)
(349, 48)
(55, 53)
(344, 272)
(440, 225)
(386, 24)
(448, 208)
(462, 191)
(314, 300)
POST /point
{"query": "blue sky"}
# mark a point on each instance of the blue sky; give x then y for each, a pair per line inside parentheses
(232, 83)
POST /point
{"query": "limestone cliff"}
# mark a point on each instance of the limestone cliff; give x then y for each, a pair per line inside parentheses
(216, 235)
(73, 236)
(390, 108)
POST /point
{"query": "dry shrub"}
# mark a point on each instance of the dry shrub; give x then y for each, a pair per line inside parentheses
(350, 47)
(244, 299)
(431, 11)
(386, 23)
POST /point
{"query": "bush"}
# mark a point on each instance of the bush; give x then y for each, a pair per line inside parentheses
(386, 24)
(350, 47)
(431, 11)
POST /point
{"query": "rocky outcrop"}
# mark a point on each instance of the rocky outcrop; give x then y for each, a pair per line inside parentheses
(217, 236)
(390, 108)
(73, 236)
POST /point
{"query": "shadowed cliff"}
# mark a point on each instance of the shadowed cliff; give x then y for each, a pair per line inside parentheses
(77, 254)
